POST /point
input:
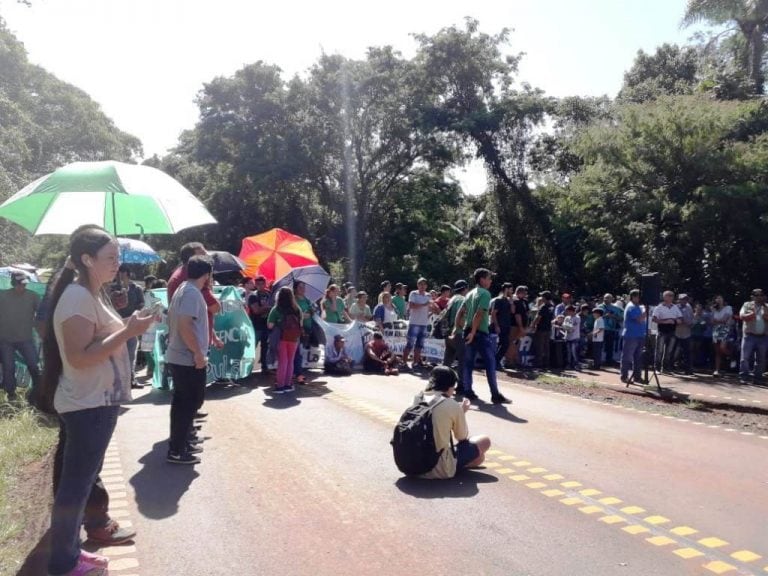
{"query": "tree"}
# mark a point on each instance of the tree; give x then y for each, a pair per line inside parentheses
(749, 19)
(671, 70)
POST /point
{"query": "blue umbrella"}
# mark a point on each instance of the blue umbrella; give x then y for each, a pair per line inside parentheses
(136, 252)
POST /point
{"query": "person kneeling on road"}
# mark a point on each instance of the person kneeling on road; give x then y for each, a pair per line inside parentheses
(449, 419)
(378, 357)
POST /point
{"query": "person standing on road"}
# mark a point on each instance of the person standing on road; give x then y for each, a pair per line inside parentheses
(258, 308)
(542, 329)
(287, 317)
(419, 306)
(666, 315)
(634, 333)
(86, 377)
(187, 357)
(572, 329)
(305, 305)
(520, 324)
(683, 334)
(127, 298)
(501, 318)
(474, 316)
(722, 319)
(754, 341)
(612, 316)
(18, 307)
(449, 423)
(454, 343)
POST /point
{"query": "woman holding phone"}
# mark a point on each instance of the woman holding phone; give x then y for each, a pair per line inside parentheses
(88, 375)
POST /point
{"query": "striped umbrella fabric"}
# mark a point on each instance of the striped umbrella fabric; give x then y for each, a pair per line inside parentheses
(124, 198)
(274, 253)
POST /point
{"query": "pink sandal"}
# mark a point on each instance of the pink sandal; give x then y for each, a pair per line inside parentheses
(93, 559)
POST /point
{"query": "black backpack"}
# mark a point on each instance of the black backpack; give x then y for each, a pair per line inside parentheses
(441, 329)
(413, 441)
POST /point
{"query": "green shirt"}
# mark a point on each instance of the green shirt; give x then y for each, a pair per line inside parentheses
(478, 299)
(275, 316)
(337, 316)
(399, 303)
(305, 305)
(454, 305)
(17, 315)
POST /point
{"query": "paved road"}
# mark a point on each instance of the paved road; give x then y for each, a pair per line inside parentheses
(307, 486)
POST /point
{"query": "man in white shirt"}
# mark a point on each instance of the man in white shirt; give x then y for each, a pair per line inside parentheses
(666, 316)
(419, 306)
(754, 314)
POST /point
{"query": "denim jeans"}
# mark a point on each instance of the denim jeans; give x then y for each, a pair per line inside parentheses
(683, 352)
(133, 346)
(611, 336)
(572, 347)
(262, 340)
(298, 360)
(632, 357)
(750, 345)
(88, 435)
(665, 347)
(481, 344)
(96, 513)
(188, 395)
(28, 352)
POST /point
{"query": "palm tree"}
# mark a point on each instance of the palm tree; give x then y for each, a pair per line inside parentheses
(749, 17)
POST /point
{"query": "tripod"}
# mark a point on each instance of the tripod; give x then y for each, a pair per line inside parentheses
(646, 348)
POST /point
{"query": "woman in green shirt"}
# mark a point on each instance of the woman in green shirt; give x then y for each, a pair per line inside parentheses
(305, 305)
(333, 306)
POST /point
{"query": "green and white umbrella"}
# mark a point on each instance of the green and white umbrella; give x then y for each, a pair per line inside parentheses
(125, 199)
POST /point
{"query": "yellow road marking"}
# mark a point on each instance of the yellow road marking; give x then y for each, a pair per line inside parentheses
(521, 463)
(612, 519)
(660, 541)
(571, 501)
(589, 492)
(683, 531)
(610, 500)
(504, 470)
(633, 510)
(494, 451)
(536, 470)
(590, 509)
(712, 542)
(719, 567)
(506, 457)
(656, 520)
(745, 556)
(536, 485)
(491, 464)
(570, 484)
(553, 477)
(553, 492)
(520, 477)
(688, 553)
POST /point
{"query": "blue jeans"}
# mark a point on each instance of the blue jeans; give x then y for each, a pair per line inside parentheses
(572, 346)
(28, 352)
(133, 345)
(749, 345)
(481, 344)
(415, 336)
(632, 357)
(88, 435)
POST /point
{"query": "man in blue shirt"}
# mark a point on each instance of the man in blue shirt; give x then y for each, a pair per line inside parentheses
(634, 333)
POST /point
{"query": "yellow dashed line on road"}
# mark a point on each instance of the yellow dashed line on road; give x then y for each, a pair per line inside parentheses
(653, 524)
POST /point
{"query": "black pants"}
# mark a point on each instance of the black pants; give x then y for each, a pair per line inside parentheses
(683, 348)
(665, 348)
(188, 395)
(609, 346)
(97, 507)
(541, 348)
(501, 351)
(597, 355)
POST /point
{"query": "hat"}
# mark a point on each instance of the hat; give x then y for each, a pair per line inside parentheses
(598, 310)
(442, 378)
(546, 294)
(399, 285)
(422, 279)
(506, 285)
(19, 278)
(565, 295)
(338, 337)
(459, 285)
(682, 297)
(757, 292)
(259, 278)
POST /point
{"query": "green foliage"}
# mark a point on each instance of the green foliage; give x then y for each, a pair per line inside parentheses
(670, 71)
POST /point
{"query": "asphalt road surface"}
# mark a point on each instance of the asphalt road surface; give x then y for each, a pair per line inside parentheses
(307, 485)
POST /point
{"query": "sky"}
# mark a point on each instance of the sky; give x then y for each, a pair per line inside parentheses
(144, 61)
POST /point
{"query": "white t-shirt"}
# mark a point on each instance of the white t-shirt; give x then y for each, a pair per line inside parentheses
(419, 316)
(598, 330)
(572, 325)
(664, 312)
(105, 384)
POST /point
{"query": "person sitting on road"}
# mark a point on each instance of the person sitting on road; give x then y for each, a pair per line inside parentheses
(337, 361)
(378, 357)
(449, 419)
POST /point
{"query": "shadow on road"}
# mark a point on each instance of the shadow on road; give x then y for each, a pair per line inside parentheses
(500, 411)
(36, 562)
(464, 485)
(159, 485)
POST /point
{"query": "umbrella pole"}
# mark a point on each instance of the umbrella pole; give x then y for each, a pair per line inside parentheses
(114, 215)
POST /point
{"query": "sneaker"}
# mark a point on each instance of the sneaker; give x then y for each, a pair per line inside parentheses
(470, 395)
(289, 388)
(500, 399)
(192, 449)
(200, 415)
(194, 441)
(180, 458)
(715, 374)
(93, 559)
(111, 534)
(279, 390)
(137, 385)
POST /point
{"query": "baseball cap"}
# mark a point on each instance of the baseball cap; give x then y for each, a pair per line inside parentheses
(682, 296)
(757, 292)
(338, 337)
(422, 279)
(459, 285)
(506, 285)
(546, 294)
(521, 288)
(19, 278)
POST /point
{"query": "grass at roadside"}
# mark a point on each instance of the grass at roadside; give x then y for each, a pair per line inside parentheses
(555, 380)
(25, 437)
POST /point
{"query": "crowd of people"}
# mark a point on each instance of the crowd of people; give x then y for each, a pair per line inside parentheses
(94, 318)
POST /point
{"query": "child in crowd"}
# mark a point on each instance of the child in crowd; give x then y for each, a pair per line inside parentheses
(572, 328)
(598, 335)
